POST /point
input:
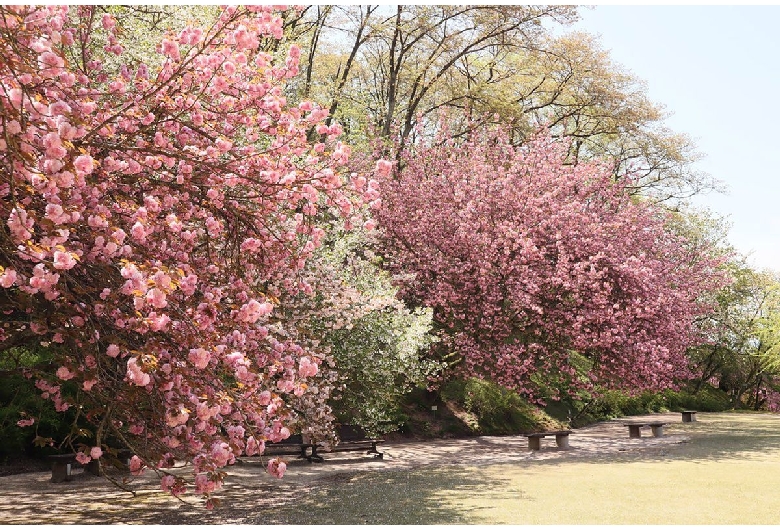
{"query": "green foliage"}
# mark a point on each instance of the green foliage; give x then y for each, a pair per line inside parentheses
(19, 400)
(376, 342)
(614, 404)
(743, 350)
(498, 410)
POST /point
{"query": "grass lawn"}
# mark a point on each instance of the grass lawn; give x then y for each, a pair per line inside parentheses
(728, 474)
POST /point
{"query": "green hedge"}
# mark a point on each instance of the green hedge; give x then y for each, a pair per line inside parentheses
(614, 404)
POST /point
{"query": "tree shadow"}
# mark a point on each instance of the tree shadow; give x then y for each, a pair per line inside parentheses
(381, 497)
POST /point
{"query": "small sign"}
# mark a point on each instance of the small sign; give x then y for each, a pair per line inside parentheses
(434, 408)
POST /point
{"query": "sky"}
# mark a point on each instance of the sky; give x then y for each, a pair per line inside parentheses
(716, 69)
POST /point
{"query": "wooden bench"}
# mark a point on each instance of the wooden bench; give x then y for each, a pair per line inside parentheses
(535, 439)
(635, 426)
(352, 438)
(688, 416)
(292, 446)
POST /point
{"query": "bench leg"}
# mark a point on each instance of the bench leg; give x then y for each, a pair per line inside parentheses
(634, 432)
(535, 443)
(93, 467)
(314, 457)
(657, 430)
(375, 452)
(562, 440)
(60, 472)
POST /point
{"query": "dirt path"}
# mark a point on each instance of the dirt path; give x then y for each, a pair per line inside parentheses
(251, 496)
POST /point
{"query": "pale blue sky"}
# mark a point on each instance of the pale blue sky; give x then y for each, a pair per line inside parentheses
(717, 70)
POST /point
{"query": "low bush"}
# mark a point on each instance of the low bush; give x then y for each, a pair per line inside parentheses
(19, 399)
(707, 399)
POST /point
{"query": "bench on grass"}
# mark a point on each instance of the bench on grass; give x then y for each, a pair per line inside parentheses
(292, 446)
(352, 438)
(535, 439)
(635, 426)
(688, 416)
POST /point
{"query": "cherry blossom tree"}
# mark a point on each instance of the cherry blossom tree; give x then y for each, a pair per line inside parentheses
(153, 215)
(526, 259)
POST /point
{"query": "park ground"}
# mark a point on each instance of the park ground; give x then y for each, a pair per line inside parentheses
(723, 469)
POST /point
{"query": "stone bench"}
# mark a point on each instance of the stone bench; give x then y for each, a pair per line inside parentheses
(62, 467)
(535, 439)
(688, 416)
(635, 432)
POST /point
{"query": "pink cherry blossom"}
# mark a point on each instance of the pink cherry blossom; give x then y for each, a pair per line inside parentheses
(135, 374)
(171, 49)
(136, 465)
(64, 260)
(525, 259)
(160, 227)
(8, 278)
(84, 164)
(307, 368)
(65, 374)
(383, 168)
(199, 357)
(254, 310)
(276, 468)
(156, 297)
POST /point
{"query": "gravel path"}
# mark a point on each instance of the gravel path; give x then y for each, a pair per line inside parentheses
(252, 496)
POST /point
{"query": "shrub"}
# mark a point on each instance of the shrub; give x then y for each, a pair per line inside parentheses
(707, 399)
(19, 396)
(498, 410)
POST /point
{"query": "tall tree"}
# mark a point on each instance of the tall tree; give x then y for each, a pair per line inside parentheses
(525, 258)
(396, 56)
(153, 215)
(741, 354)
(384, 70)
